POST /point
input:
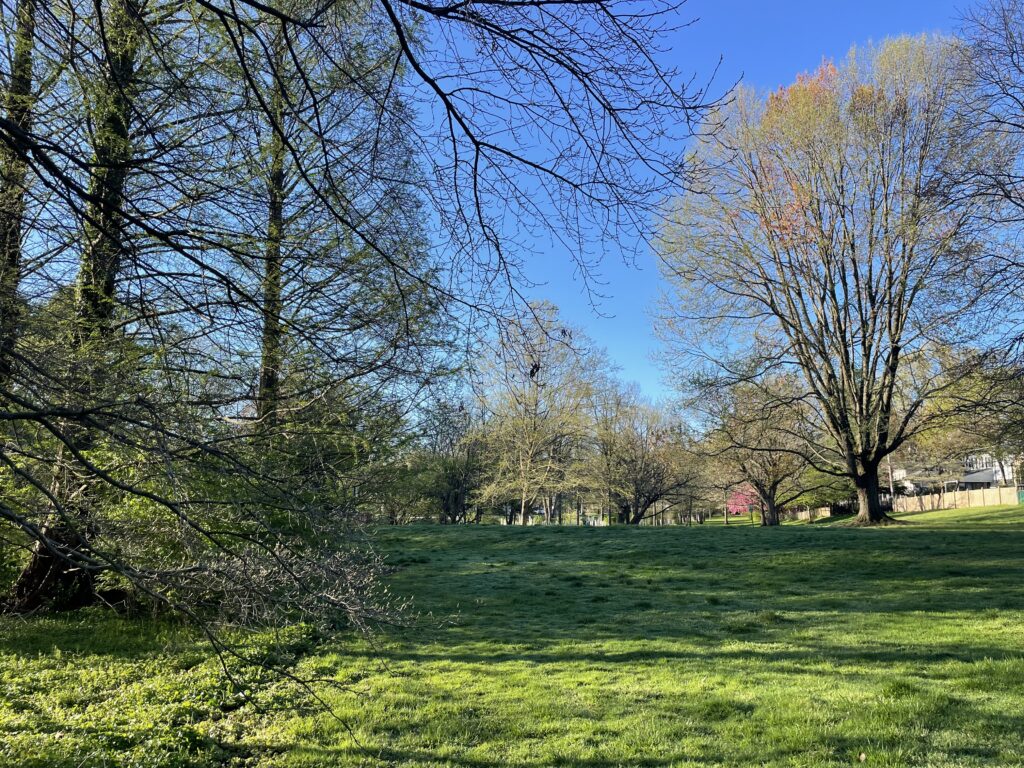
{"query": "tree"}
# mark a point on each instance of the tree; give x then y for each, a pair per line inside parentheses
(649, 464)
(985, 414)
(638, 462)
(19, 104)
(452, 460)
(129, 447)
(533, 394)
(993, 60)
(181, 296)
(53, 574)
(761, 438)
(834, 236)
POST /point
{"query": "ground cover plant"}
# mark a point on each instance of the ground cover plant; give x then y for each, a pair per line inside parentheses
(803, 645)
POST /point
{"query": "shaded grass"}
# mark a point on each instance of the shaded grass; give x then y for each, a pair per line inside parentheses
(800, 646)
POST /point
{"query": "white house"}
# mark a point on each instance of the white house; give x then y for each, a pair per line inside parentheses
(978, 470)
(983, 470)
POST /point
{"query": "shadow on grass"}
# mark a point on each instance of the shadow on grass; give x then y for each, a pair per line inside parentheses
(424, 757)
(744, 600)
(93, 631)
(834, 748)
(730, 584)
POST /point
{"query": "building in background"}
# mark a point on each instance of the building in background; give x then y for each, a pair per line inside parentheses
(983, 470)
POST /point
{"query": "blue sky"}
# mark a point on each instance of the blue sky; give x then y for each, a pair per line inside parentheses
(767, 43)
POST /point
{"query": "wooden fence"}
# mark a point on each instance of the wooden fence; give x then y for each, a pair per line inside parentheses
(983, 497)
(812, 514)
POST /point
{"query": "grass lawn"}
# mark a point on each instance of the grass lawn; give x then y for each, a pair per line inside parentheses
(806, 645)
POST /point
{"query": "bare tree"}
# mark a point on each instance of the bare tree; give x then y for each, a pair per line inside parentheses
(763, 439)
(993, 60)
(836, 235)
(533, 394)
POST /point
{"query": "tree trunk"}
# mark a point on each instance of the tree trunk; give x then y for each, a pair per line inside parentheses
(638, 513)
(104, 244)
(19, 102)
(51, 578)
(268, 399)
(769, 512)
(868, 501)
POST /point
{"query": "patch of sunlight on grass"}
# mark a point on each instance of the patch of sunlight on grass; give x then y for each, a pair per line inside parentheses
(802, 646)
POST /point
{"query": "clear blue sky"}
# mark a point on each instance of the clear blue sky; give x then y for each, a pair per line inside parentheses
(767, 43)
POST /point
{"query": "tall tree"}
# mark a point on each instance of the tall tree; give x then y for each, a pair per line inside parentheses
(993, 60)
(104, 244)
(533, 396)
(54, 573)
(271, 353)
(834, 234)
(647, 460)
(155, 238)
(18, 104)
(762, 438)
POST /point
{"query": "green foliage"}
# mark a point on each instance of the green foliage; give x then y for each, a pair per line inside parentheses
(96, 688)
(823, 489)
(799, 646)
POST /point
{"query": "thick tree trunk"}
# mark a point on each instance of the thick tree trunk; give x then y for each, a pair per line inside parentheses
(769, 512)
(19, 101)
(623, 515)
(104, 243)
(638, 513)
(50, 579)
(868, 501)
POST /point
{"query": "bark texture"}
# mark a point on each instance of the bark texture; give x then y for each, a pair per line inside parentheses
(57, 576)
(19, 101)
(268, 400)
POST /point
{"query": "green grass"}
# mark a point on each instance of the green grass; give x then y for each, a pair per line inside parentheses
(805, 645)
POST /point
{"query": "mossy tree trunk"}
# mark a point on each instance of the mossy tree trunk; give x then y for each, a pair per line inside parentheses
(58, 574)
(269, 396)
(19, 103)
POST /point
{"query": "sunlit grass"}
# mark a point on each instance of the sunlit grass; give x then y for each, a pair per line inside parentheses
(801, 646)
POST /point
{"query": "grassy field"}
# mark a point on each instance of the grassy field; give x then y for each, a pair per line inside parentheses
(808, 645)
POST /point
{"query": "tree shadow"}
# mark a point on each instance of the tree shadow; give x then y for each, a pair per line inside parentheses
(93, 631)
